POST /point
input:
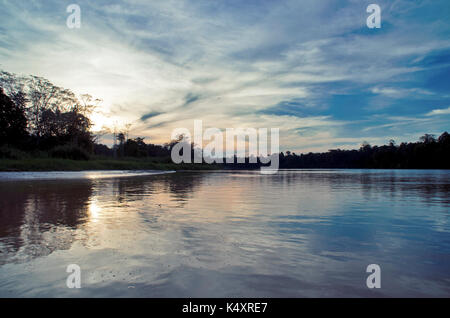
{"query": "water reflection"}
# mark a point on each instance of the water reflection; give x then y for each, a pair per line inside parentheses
(296, 233)
(37, 218)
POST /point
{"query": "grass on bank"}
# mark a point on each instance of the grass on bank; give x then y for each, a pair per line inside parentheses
(69, 158)
(56, 164)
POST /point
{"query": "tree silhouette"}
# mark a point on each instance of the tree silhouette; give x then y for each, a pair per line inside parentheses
(13, 123)
(427, 139)
(54, 116)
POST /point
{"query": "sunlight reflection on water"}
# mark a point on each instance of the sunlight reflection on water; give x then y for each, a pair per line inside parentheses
(226, 233)
(65, 175)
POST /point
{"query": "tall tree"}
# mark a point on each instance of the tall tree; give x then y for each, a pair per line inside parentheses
(14, 87)
(55, 115)
(13, 123)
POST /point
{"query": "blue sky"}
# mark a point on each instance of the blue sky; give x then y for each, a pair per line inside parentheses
(311, 68)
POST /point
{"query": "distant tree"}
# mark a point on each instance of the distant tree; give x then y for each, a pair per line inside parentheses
(444, 138)
(121, 138)
(135, 147)
(428, 138)
(127, 130)
(365, 146)
(181, 138)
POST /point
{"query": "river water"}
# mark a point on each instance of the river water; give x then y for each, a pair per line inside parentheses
(297, 233)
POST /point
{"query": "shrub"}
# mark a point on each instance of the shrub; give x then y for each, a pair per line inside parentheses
(11, 153)
(69, 152)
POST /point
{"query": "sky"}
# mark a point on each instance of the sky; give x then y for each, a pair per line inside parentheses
(311, 68)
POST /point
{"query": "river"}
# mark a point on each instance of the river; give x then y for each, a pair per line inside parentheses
(297, 233)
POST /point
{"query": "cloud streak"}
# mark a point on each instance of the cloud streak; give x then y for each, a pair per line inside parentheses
(311, 68)
(434, 112)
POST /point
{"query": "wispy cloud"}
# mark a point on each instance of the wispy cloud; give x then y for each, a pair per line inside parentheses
(311, 68)
(401, 92)
(434, 112)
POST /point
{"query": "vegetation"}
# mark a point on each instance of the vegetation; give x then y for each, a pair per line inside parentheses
(427, 153)
(36, 115)
(52, 164)
(45, 127)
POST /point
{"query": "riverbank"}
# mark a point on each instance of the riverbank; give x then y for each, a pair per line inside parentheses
(54, 164)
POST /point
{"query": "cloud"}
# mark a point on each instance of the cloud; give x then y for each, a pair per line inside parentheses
(400, 92)
(435, 112)
(190, 98)
(150, 115)
(303, 66)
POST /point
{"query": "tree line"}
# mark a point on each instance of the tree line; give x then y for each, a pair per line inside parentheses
(428, 152)
(37, 116)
